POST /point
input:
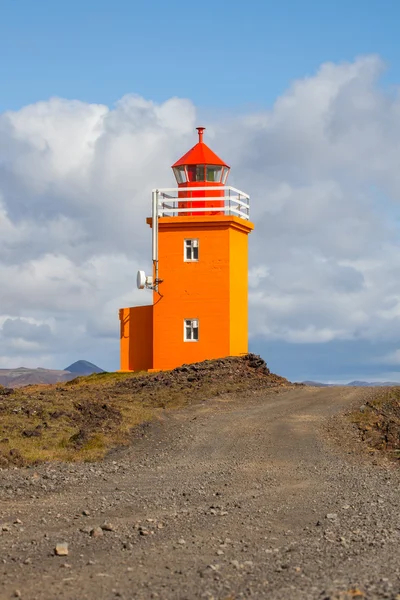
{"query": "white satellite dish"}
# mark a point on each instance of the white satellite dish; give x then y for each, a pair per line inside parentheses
(143, 280)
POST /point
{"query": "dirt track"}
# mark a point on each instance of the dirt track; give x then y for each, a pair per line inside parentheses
(250, 497)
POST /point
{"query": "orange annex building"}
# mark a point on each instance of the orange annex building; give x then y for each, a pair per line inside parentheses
(200, 271)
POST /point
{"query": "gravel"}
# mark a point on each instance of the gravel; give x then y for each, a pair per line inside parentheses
(263, 496)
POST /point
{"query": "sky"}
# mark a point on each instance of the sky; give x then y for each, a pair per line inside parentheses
(98, 99)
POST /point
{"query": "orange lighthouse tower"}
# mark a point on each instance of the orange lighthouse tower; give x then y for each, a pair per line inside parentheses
(200, 270)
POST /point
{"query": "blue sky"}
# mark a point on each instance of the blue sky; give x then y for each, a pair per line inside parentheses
(230, 60)
(219, 54)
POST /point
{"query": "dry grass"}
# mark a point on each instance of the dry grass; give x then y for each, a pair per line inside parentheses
(379, 421)
(42, 422)
(82, 419)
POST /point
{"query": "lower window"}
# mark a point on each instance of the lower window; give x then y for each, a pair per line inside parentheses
(191, 330)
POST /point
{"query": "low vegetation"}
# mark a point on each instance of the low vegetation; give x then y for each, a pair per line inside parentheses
(379, 422)
(86, 417)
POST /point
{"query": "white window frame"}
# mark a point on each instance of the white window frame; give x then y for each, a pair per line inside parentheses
(194, 243)
(194, 324)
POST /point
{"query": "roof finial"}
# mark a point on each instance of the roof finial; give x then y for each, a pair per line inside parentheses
(201, 131)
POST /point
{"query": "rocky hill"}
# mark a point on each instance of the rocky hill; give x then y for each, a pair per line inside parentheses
(82, 419)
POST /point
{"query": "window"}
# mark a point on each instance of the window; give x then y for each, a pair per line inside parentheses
(191, 330)
(214, 174)
(191, 250)
(225, 174)
(180, 174)
(196, 172)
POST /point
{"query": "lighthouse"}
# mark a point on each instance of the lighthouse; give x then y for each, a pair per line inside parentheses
(199, 282)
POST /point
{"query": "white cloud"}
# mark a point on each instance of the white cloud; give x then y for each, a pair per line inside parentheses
(322, 170)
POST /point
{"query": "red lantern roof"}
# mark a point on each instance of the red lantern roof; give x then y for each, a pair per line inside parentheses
(200, 154)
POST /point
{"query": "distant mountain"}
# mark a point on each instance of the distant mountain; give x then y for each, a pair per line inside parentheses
(22, 376)
(353, 384)
(316, 384)
(15, 378)
(83, 367)
(372, 383)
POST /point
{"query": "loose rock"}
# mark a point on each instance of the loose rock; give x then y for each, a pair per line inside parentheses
(96, 532)
(61, 549)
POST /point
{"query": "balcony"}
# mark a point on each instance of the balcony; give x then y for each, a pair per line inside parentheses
(198, 201)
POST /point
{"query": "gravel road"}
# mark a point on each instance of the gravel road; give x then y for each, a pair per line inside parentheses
(266, 496)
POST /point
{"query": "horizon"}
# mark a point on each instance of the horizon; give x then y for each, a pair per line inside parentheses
(94, 115)
(301, 380)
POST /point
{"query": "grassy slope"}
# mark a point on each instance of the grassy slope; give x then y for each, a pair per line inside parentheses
(84, 418)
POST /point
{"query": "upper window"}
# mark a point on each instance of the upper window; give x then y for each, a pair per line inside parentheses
(191, 250)
(191, 330)
(211, 173)
(214, 174)
(180, 174)
(225, 173)
(196, 172)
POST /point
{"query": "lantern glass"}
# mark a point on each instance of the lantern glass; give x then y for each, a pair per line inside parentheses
(196, 172)
(180, 174)
(214, 174)
(225, 173)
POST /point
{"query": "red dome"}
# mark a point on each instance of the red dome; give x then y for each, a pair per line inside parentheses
(200, 154)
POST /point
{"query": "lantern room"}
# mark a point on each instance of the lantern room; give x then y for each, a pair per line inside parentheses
(200, 165)
(201, 168)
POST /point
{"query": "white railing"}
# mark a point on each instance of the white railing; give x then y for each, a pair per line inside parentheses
(168, 204)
